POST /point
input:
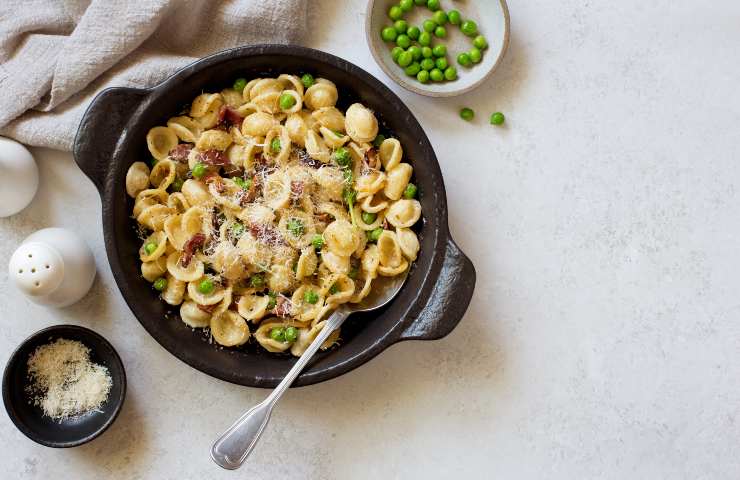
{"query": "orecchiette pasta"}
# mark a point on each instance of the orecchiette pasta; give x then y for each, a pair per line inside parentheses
(290, 212)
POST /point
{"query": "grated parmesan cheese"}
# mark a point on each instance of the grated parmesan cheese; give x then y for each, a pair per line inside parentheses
(64, 382)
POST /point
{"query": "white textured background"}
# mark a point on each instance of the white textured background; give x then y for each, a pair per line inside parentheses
(603, 340)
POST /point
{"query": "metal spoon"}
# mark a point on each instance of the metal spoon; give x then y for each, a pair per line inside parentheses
(234, 446)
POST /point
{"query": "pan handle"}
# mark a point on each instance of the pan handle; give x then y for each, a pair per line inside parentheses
(101, 126)
(449, 299)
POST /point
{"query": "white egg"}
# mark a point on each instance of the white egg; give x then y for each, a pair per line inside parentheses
(20, 177)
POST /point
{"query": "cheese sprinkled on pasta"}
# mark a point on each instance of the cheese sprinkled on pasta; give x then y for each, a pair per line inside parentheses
(271, 206)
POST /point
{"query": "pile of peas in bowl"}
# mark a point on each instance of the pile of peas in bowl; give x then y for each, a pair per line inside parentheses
(414, 50)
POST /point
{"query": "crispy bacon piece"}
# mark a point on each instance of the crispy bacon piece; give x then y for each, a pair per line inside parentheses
(190, 247)
(213, 157)
(324, 217)
(217, 219)
(235, 302)
(180, 152)
(296, 190)
(251, 194)
(282, 307)
(266, 234)
(217, 182)
(207, 308)
(232, 170)
(308, 160)
(372, 159)
(229, 116)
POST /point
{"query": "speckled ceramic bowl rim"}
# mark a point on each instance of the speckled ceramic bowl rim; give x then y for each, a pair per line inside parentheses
(421, 91)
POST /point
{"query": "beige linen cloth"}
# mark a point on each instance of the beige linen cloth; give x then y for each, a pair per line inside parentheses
(56, 54)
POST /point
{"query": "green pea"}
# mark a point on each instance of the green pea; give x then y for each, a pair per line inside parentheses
(467, 114)
(480, 42)
(469, 28)
(423, 76)
(273, 300)
(475, 55)
(239, 84)
(309, 296)
(439, 50)
(378, 140)
(413, 33)
(150, 247)
(405, 59)
(403, 41)
(177, 184)
(237, 230)
(244, 184)
(454, 17)
(441, 63)
(406, 5)
(396, 52)
(413, 69)
(205, 286)
(368, 217)
(433, 5)
(160, 283)
(450, 73)
(497, 118)
(429, 25)
(286, 101)
(278, 334)
(333, 289)
(425, 39)
(388, 34)
(464, 60)
(199, 170)
(426, 52)
(420, 2)
(374, 235)
(257, 281)
(410, 191)
(416, 52)
(275, 145)
(401, 26)
(295, 227)
(440, 32)
(317, 241)
(395, 12)
(436, 75)
(427, 64)
(307, 80)
(440, 17)
(291, 334)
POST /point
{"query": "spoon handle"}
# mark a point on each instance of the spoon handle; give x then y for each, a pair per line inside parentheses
(234, 446)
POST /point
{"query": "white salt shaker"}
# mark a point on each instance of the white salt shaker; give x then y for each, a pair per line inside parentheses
(20, 177)
(53, 267)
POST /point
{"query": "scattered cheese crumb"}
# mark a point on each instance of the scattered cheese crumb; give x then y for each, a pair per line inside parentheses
(64, 382)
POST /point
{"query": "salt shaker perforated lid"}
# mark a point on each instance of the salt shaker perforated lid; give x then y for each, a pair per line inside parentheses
(20, 178)
(53, 267)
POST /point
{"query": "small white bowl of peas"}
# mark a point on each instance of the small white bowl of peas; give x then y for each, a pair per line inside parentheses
(438, 48)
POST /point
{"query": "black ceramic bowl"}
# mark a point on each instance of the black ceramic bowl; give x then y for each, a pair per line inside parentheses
(76, 430)
(112, 135)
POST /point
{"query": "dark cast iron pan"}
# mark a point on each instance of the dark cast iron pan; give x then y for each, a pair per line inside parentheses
(112, 135)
